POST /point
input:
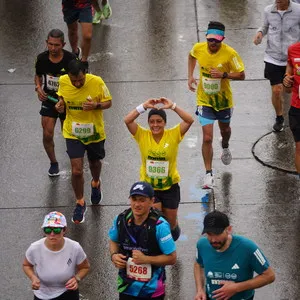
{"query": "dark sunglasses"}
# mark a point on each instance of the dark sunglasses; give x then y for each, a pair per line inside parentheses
(213, 40)
(56, 230)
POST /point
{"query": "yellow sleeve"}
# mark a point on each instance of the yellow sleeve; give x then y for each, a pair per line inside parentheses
(61, 82)
(236, 63)
(140, 133)
(194, 51)
(104, 93)
(175, 131)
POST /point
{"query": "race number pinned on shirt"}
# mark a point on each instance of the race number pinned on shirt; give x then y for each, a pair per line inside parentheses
(82, 130)
(211, 85)
(157, 168)
(138, 272)
(52, 82)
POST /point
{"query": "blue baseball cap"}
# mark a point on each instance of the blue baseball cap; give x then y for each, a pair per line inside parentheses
(142, 188)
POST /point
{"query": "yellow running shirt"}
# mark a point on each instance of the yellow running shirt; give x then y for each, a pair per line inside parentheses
(215, 92)
(86, 126)
(159, 161)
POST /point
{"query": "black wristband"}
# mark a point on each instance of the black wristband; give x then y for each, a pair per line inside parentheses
(99, 106)
(225, 75)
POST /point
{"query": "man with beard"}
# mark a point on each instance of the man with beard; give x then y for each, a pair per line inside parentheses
(225, 263)
(219, 63)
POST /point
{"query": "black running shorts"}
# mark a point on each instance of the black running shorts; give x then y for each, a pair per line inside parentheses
(169, 198)
(76, 149)
(274, 73)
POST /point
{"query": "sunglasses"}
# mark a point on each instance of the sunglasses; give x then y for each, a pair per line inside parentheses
(213, 40)
(56, 230)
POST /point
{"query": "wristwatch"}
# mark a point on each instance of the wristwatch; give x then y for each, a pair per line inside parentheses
(77, 278)
(36, 88)
(225, 75)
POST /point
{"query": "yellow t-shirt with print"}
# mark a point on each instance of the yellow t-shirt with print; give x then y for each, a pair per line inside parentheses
(215, 92)
(159, 160)
(86, 126)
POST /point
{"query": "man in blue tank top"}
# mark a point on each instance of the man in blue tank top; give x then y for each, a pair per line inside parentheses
(225, 263)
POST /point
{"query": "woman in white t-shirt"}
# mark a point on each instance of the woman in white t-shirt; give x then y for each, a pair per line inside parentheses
(55, 264)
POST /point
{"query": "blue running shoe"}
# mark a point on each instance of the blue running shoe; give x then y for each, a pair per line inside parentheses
(96, 195)
(79, 212)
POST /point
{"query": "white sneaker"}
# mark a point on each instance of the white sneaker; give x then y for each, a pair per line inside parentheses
(226, 156)
(208, 181)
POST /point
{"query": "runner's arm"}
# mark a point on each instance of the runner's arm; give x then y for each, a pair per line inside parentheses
(104, 105)
(199, 278)
(236, 75)
(158, 260)
(38, 81)
(60, 105)
(82, 269)
(288, 79)
(132, 116)
(118, 259)
(231, 288)
(215, 73)
(29, 271)
(191, 67)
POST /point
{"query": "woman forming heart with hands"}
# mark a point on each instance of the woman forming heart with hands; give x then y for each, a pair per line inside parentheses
(158, 147)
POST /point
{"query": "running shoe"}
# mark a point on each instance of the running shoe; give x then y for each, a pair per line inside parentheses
(278, 125)
(79, 212)
(86, 66)
(106, 11)
(98, 16)
(96, 195)
(226, 156)
(208, 181)
(54, 170)
(79, 53)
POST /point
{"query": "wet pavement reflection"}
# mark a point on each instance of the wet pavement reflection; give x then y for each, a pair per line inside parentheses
(142, 52)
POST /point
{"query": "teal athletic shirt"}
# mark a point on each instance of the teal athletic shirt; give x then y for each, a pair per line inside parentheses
(237, 263)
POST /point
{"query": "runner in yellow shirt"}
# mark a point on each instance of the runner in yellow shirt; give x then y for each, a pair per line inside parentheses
(84, 96)
(218, 64)
(158, 148)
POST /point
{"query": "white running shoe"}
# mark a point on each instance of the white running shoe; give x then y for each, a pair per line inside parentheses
(226, 156)
(208, 181)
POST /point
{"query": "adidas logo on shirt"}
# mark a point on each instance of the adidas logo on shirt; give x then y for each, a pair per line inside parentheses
(235, 267)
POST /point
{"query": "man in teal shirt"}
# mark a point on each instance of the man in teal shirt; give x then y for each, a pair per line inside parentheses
(226, 263)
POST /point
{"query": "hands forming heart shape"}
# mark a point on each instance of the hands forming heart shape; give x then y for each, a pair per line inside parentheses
(158, 103)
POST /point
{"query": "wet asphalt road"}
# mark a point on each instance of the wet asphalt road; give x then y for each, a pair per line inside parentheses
(141, 52)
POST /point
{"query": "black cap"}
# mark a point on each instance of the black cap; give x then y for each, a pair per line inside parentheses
(215, 222)
(142, 188)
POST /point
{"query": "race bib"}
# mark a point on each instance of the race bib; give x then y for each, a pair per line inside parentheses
(138, 272)
(52, 82)
(211, 85)
(82, 130)
(156, 168)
